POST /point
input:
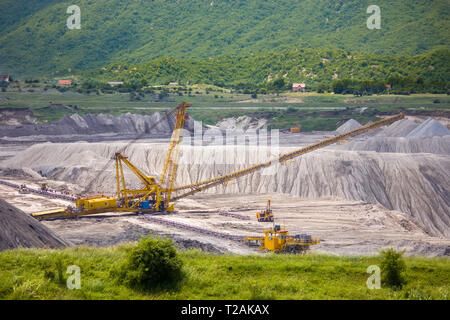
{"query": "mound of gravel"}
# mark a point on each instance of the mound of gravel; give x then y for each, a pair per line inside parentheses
(436, 145)
(405, 136)
(242, 122)
(429, 128)
(349, 125)
(19, 230)
(399, 128)
(154, 124)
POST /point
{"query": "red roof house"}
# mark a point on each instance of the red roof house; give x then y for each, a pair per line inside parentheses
(4, 78)
(298, 87)
(64, 82)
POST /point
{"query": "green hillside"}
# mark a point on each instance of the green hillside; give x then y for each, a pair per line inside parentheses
(34, 37)
(15, 12)
(315, 67)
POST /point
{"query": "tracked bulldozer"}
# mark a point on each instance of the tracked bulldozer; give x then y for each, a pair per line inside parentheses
(265, 215)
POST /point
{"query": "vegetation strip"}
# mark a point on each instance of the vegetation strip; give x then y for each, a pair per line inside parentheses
(30, 274)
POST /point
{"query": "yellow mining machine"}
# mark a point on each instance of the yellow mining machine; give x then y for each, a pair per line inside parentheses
(265, 215)
(157, 196)
(154, 196)
(23, 189)
(277, 239)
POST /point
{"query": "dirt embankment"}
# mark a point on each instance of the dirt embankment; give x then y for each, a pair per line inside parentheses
(156, 124)
(17, 229)
(243, 123)
(406, 136)
(16, 117)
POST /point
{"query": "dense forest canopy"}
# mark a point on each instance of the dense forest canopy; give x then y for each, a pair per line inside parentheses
(34, 38)
(317, 68)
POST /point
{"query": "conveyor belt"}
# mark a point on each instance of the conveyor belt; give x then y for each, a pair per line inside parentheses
(40, 192)
(206, 184)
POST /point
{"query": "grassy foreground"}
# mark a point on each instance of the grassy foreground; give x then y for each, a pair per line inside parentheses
(24, 274)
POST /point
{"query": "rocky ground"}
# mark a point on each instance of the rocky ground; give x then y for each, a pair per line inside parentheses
(18, 229)
(344, 227)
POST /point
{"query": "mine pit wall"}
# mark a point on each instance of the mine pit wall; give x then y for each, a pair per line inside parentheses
(435, 145)
(417, 184)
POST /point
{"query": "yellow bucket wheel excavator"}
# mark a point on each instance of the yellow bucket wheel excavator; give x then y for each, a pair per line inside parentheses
(156, 196)
(153, 196)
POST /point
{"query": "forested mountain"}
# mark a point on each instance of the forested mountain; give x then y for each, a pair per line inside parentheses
(34, 38)
(14, 12)
(315, 67)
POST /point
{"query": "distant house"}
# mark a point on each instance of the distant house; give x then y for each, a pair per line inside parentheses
(4, 78)
(173, 84)
(65, 82)
(115, 83)
(299, 87)
(296, 129)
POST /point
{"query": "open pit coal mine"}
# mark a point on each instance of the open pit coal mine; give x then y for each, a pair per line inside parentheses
(404, 167)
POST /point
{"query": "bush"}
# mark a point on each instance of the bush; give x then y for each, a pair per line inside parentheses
(152, 264)
(291, 110)
(392, 268)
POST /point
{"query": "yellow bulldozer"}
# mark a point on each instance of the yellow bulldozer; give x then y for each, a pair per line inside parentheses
(265, 215)
(277, 239)
(23, 189)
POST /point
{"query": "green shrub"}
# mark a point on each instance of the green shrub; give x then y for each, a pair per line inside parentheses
(291, 109)
(392, 268)
(152, 264)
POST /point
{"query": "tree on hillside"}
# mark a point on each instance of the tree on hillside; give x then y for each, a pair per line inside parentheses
(277, 85)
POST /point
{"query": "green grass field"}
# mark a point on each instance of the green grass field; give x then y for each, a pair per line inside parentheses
(28, 274)
(315, 112)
